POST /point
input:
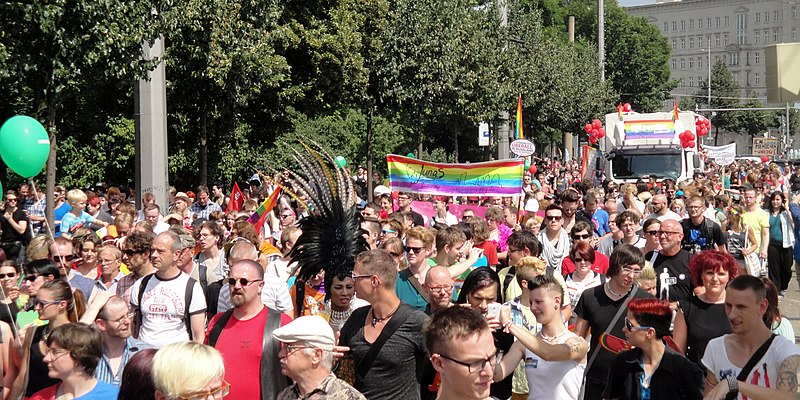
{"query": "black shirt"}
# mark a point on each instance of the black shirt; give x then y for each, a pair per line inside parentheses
(677, 266)
(704, 321)
(675, 378)
(701, 237)
(9, 233)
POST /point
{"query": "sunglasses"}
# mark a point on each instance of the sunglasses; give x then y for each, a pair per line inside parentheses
(553, 217)
(652, 233)
(67, 258)
(242, 281)
(8, 275)
(32, 277)
(629, 326)
(581, 237)
(385, 231)
(579, 260)
(284, 216)
(410, 249)
(131, 253)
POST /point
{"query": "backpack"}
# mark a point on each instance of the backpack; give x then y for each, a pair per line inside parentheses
(187, 302)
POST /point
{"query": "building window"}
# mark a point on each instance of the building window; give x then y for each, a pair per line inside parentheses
(699, 62)
(776, 16)
(691, 24)
(691, 81)
(691, 63)
(757, 35)
(794, 12)
(741, 29)
(774, 36)
(674, 64)
(666, 26)
(727, 21)
(716, 40)
(736, 77)
(734, 58)
(766, 36)
(674, 43)
(674, 26)
(683, 63)
(699, 23)
(758, 17)
(757, 78)
(708, 22)
(757, 58)
(766, 16)
(794, 32)
(691, 42)
(683, 25)
(717, 22)
(725, 39)
(683, 43)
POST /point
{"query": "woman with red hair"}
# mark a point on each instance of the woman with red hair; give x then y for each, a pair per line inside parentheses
(702, 318)
(651, 370)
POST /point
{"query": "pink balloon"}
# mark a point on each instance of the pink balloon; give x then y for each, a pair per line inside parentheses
(597, 124)
(588, 128)
(627, 107)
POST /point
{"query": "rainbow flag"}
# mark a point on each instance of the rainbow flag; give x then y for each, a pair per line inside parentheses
(619, 112)
(519, 134)
(492, 178)
(258, 217)
(675, 110)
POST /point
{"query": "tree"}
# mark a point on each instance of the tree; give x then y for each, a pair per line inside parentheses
(756, 121)
(724, 94)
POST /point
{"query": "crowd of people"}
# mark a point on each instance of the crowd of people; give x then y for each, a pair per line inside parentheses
(576, 289)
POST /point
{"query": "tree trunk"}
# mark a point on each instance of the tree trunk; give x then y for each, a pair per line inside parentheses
(204, 150)
(716, 136)
(51, 160)
(455, 144)
(369, 155)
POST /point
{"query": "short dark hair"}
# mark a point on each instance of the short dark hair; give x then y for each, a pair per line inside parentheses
(84, 342)
(624, 254)
(479, 278)
(452, 323)
(525, 240)
(749, 282)
(549, 282)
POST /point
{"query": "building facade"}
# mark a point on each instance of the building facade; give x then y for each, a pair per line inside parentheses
(736, 31)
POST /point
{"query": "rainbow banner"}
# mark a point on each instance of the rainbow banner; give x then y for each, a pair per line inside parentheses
(519, 133)
(258, 217)
(650, 129)
(492, 178)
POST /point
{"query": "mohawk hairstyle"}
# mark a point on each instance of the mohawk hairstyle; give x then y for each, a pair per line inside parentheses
(332, 236)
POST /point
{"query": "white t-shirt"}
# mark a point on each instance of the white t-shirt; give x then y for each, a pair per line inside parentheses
(553, 379)
(574, 289)
(765, 372)
(163, 305)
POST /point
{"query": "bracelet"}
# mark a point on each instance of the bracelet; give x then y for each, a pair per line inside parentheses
(733, 384)
(507, 326)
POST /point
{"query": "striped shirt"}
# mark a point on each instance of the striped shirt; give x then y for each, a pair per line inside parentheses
(103, 371)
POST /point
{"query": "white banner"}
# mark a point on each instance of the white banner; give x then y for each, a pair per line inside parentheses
(722, 155)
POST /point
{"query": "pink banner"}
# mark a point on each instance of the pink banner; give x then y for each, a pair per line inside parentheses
(425, 208)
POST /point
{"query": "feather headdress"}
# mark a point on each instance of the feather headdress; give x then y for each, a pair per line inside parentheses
(331, 235)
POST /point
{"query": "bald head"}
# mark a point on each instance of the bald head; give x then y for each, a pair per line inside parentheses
(439, 285)
(438, 275)
(242, 251)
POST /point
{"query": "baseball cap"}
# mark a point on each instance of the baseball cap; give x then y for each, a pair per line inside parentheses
(311, 329)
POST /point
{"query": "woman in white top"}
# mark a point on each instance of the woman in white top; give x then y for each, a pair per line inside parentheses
(583, 255)
(555, 358)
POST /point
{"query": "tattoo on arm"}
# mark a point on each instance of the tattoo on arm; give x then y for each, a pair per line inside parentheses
(787, 374)
(576, 346)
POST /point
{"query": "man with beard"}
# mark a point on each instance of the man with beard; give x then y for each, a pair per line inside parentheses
(660, 209)
(113, 320)
(239, 333)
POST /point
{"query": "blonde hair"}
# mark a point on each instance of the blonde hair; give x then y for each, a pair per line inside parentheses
(186, 367)
(528, 268)
(75, 195)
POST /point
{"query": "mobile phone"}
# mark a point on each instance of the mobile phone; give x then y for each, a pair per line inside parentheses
(494, 310)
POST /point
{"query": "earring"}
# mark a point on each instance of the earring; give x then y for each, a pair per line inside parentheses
(555, 306)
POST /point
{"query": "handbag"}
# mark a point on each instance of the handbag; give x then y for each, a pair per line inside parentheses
(752, 262)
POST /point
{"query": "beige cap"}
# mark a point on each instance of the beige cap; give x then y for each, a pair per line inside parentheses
(311, 329)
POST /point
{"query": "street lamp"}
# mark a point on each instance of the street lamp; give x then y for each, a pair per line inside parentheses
(709, 71)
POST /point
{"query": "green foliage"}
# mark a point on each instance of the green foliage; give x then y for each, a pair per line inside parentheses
(108, 156)
(756, 121)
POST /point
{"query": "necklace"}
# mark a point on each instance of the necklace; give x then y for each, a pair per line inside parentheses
(608, 286)
(552, 338)
(340, 315)
(376, 321)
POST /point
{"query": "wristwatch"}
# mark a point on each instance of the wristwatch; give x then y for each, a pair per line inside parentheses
(733, 384)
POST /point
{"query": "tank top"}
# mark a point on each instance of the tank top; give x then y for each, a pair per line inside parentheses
(736, 243)
(37, 369)
(553, 379)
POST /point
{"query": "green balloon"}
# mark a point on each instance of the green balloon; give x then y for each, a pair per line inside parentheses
(527, 164)
(24, 145)
(340, 161)
(410, 155)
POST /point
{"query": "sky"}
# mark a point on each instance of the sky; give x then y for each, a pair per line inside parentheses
(635, 2)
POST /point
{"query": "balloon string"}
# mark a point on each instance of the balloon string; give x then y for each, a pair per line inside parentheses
(46, 222)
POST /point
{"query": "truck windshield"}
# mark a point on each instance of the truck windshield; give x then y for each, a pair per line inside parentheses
(632, 166)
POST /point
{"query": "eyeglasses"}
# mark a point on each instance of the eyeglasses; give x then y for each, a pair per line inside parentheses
(67, 258)
(8, 275)
(55, 353)
(629, 326)
(284, 216)
(403, 198)
(355, 276)
(628, 271)
(290, 349)
(477, 366)
(442, 289)
(10, 199)
(217, 393)
(652, 233)
(128, 316)
(579, 260)
(385, 231)
(667, 233)
(553, 217)
(43, 304)
(102, 261)
(415, 250)
(32, 277)
(242, 281)
(581, 237)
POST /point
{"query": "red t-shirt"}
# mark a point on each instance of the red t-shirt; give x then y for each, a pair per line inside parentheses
(600, 264)
(240, 346)
(490, 251)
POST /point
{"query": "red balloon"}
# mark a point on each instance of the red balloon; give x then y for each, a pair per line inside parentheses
(601, 134)
(703, 131)
(707, 123)
(597, 124)
(691, 144)
(595, 132)
(593, 139)
(588, 128)
(532, 170)
(627, 107)
(764, 159)
(684, 143)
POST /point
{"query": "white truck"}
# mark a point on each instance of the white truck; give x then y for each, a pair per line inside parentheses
(639, 145)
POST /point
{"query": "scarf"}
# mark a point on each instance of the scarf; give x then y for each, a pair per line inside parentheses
(554, 255)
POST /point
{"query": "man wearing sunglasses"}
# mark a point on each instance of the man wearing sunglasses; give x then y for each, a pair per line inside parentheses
(61, 253)
(136, 255)
(238, 334)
